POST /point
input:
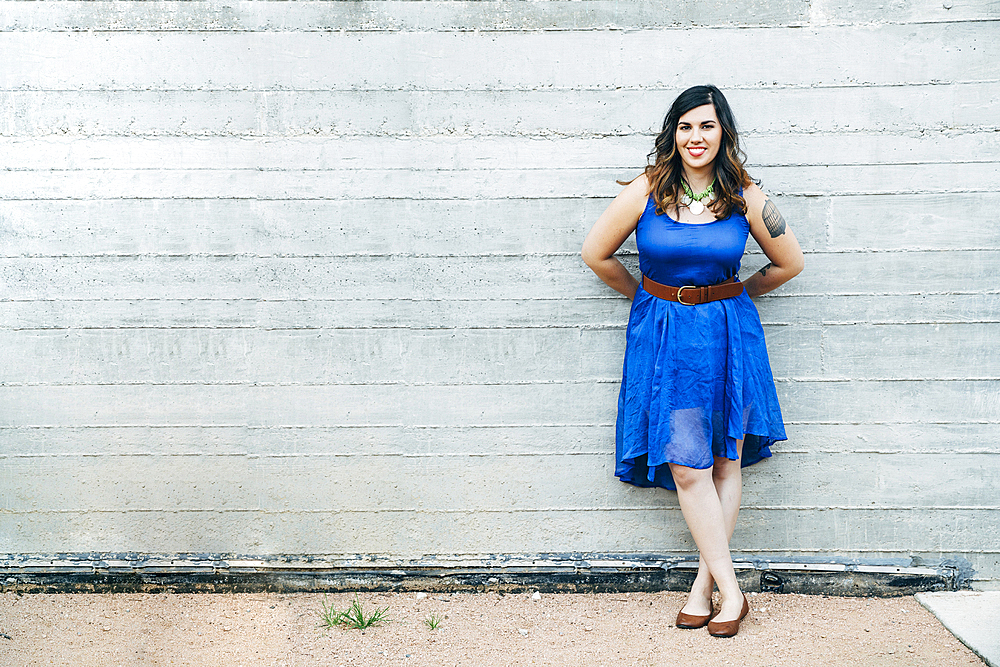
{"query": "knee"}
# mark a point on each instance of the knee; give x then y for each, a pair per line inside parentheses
(725, 469)
(685, 477)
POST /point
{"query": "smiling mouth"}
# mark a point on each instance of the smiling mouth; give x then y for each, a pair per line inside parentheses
(697, 151)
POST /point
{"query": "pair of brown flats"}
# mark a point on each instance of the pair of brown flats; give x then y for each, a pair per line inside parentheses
(721, 629)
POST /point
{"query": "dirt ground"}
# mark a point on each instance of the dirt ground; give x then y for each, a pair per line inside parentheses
(484, 630)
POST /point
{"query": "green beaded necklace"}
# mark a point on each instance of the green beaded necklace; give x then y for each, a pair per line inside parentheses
(694, 200)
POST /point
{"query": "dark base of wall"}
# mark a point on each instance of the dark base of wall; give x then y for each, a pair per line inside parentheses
(566, 574)
(853, 585)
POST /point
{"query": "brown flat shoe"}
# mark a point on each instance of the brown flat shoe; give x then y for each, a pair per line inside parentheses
(729, 628)
(690, 621)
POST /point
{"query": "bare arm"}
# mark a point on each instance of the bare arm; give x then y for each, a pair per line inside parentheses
(775, 239)
(610, 231)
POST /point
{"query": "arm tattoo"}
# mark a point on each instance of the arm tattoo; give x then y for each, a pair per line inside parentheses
(763, 269)
(772, 218)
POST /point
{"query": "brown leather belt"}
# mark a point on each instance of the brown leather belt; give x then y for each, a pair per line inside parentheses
(692, 296)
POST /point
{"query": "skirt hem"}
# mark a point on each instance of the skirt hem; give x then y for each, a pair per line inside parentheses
(636, 472)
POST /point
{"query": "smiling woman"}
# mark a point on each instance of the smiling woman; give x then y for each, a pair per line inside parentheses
(697, 399)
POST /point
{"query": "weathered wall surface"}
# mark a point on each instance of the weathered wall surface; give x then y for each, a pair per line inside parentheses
(303, 277)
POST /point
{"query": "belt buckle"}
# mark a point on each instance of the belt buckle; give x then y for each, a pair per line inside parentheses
(682, 301)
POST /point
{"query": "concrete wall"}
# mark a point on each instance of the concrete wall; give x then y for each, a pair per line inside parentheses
(303, 277)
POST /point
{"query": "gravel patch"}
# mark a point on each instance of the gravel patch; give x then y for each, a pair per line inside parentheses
(480, 630)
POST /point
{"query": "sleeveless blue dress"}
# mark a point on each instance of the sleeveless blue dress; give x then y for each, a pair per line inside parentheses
(695, 378)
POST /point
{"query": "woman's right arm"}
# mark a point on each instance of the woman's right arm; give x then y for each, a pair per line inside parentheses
(610, 231)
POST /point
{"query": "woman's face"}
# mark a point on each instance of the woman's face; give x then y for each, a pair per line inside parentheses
(698, 137)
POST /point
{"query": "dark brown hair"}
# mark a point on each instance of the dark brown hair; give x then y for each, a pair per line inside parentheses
(665, 170)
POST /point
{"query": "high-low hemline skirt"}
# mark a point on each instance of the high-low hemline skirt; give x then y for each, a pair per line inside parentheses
(695, 380)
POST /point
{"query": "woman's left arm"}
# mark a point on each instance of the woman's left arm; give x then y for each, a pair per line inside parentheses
(775, 239)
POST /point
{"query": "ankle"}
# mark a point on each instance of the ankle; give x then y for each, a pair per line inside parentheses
(731, 596)
(701, 590)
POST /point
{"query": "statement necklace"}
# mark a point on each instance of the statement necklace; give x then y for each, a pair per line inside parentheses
(693, 201)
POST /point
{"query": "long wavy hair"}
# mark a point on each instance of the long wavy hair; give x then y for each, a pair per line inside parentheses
(665, 170)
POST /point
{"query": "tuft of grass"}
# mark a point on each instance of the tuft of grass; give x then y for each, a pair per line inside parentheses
(329, 617)
(433, 621)
(353, 617)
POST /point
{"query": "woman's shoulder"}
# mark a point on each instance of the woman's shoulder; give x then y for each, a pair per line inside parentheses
(639, 187)
(636, 193)
(755, 198)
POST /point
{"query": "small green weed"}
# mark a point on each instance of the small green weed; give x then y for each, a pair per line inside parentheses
(353, 617)
(433, 621)
(329, 617)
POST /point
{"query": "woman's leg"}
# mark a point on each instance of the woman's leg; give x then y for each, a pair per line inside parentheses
(727, 481)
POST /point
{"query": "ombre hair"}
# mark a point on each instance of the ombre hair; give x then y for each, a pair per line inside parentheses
(665, 170)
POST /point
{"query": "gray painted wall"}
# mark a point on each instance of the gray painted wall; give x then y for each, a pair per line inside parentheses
(303, 277)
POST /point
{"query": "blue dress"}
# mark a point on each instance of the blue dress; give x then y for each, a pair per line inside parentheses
(695, 378)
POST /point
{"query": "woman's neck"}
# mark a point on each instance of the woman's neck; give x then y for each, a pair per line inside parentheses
(699, 179)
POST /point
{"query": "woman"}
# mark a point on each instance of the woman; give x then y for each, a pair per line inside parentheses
(697, 399)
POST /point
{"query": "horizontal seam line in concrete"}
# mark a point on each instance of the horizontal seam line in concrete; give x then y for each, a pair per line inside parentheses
(511, 383)
(486, 200)
(808, 194)
(749, 254)
(244, 425)
(506, 510)
(294, 457)
(431, 427)
(527, 29)
(535, 87)
(466, 454)
(610, 380)
(377, 559)
(532, 299)
(589, 326)
(453, 136)
(471, 169)
(488, 425)
(542, 134)
(251, 283)
(610, 297)
(902, 131)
